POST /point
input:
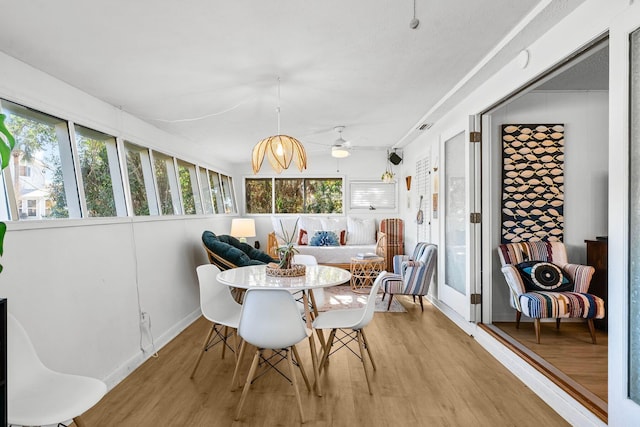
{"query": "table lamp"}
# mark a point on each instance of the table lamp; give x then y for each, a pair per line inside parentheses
(243, 228)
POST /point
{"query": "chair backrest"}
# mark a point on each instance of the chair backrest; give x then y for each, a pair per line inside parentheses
(216, 301)
(418, 250)
(369, 309)
(304, 259)
(270, 318)
(22, 359)
(417, 279)
(515, 253)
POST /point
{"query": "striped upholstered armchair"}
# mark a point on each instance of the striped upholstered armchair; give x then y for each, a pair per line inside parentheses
(411, 274)
(544, 285)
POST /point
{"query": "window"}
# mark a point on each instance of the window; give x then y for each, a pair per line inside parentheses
(258, 193)
(229, 198)
(189, 188)
(43, 147)
(166, 183)
(98, 158)
(372, 195)
(216, 192)
(32, 207)
(141, 187)
(289, 195)
(293, 195)
(207, 196)
(59, 169)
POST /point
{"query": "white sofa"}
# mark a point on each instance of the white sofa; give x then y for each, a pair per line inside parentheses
(357, 235)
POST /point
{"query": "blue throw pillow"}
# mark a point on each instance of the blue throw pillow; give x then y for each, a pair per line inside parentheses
(324, 238)
(543, 276)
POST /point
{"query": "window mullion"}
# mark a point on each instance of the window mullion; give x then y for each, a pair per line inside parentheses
(124, 178)
(71, 174)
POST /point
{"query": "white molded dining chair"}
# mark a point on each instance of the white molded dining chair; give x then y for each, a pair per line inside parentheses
(219, 307)
(318, 294)
(355, 320)
(270, 320)
(36, 394)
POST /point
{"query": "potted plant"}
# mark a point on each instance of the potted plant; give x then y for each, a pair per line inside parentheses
(388, 176)
(287, 251)
(7, 142)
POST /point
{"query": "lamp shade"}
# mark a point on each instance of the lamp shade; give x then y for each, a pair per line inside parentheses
(243, 227)
(339, 152)
(280, 150)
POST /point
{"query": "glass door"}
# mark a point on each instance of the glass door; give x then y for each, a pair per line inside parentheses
(624, 219)
(458, 252)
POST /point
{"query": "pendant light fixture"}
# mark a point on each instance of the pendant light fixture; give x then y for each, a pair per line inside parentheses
(279, 149)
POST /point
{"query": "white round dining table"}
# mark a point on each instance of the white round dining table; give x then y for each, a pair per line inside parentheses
(316, 276)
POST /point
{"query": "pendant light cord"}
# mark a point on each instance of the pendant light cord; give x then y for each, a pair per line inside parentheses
(278, 107)
(414, 9)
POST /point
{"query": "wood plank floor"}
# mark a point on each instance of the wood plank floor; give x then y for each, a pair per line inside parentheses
(429, 373)
(569, 354)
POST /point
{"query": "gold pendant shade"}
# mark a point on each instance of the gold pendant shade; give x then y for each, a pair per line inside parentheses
(281, 150)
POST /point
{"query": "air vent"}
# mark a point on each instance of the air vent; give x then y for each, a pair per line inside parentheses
(425, 126)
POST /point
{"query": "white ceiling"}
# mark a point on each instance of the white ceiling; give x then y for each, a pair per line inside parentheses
(207, 70)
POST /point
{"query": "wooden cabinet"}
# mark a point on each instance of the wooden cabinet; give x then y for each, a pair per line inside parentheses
(597, 257)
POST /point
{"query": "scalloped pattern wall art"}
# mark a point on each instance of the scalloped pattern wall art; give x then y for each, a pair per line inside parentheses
(532, 182)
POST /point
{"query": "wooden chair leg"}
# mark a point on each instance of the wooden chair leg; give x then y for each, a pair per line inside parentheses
(414, 298)
(243, 346)
(78, 422)
(536, 325)
(557, 323)
(294, 381)
(247, 384)
(390, 299)
(592, 331)
(235, 345)
(421, 305)
(366, 344)
(364, 362)
(201, 352)
(304, 374)
(518, 316)
(384, 294)
(327, 349)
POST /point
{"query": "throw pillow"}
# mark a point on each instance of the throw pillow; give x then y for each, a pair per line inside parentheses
(361, 231)
(543, 276)
(303, 237)
(324, 238)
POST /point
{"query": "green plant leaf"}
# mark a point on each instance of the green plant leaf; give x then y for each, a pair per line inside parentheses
(7, 144)
(3, 230)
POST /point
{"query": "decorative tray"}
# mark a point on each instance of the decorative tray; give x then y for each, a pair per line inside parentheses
(295, 271)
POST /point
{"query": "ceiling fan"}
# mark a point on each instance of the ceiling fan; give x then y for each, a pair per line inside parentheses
(340, 148)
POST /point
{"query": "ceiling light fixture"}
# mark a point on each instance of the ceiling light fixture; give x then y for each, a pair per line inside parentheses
(339, 148)
(279, 149)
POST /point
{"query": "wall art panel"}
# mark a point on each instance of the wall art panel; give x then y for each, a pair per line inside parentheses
(532, 182)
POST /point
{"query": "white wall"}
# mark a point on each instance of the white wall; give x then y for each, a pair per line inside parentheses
(585, 117)
(74, 284)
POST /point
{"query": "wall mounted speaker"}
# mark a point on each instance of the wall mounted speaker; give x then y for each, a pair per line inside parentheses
(395, 159)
